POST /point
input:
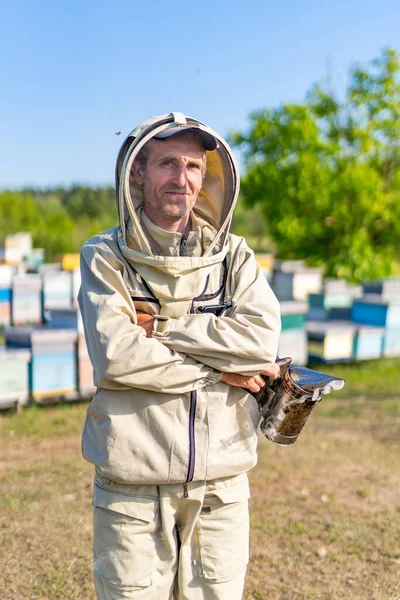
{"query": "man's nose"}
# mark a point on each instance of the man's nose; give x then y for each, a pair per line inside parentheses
(180, 176)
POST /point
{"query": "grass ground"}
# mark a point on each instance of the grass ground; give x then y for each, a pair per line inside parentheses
(325, 513)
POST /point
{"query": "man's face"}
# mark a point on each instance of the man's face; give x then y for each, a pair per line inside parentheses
(172, 180)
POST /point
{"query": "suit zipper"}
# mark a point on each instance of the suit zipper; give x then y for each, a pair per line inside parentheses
(183, 245)
(192, 441)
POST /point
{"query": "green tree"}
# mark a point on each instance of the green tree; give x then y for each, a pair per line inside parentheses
(59, 219)
(326, 173)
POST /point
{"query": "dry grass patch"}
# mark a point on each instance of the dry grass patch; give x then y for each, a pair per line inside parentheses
(45, 523)
(325, 513)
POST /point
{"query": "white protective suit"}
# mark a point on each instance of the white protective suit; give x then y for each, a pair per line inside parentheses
(160, 415)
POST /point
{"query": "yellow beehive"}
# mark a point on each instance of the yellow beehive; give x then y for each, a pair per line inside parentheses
(70, 262)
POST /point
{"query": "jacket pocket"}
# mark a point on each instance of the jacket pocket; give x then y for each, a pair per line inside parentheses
(125, 530)
(223, 528)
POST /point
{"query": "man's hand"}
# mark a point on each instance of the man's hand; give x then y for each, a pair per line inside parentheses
(253, 383)
(272, 372)
(146, 322)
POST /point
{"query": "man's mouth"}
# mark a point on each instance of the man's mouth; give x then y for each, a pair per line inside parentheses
(176, 193)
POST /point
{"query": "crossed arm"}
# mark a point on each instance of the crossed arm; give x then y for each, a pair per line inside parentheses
(190, 351)
(251, 382)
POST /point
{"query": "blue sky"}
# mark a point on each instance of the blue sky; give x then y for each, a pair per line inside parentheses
(73, 73)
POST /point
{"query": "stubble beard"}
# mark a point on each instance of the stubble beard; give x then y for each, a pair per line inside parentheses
(168, 212)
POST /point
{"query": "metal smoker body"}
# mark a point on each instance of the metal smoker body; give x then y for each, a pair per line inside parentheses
(286, 403)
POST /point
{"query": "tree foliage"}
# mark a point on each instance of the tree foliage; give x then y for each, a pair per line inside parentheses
(60, 220)
(326, 173)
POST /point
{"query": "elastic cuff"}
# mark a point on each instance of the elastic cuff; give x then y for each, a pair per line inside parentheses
(160, 325)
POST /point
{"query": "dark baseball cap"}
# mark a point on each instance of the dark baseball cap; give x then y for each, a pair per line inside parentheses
(209, 141)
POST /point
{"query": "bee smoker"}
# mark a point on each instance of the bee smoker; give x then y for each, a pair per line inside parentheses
(286, 403)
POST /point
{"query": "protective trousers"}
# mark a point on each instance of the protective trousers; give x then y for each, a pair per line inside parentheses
(171, 542)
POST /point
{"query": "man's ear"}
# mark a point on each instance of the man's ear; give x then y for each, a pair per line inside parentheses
(138, 172)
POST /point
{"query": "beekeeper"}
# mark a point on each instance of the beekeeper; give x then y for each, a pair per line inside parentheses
(179, 322)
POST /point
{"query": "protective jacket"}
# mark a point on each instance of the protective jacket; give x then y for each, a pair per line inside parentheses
(161, 414)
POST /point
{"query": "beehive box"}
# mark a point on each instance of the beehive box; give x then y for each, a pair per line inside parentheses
(35, 259)
(26, 299)
(330, 341)
(5, 306)
(70, 262)
(297, 285)
(293, 343)
(57, 289)
(52, 369)
(14, 376)
(6, 274)
(368, 342)
(293, 337)
(330, 305)
(266, 262)
(15, 247)
(376, 310)
(391, 342)
(72, 319)
(65, 318)
(385, 287)
(293, 314)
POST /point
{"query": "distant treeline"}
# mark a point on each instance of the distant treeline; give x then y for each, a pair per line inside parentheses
(61, 219)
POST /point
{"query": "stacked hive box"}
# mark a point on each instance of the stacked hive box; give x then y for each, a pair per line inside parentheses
(386, 288)
(26, 299)
(70, 262)
(380, 312)
(6, 274)
(266, 262)
(330, 341)
(293, 338)
(35, 259)
(5, 306)
(368, 342)
(14, 382)
(293, 281)
(52, 369)
(57, 288)
(71, 319)
(334, 302)
(15, 247)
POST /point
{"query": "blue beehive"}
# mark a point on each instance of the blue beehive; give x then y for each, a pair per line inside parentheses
(377, 310)
(52, 369)
(65, 318)
(72, 319)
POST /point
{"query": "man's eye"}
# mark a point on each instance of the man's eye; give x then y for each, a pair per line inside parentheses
(194, 166)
